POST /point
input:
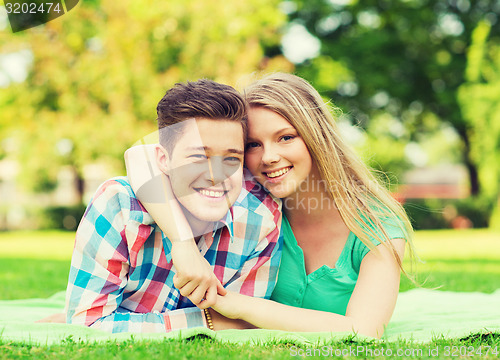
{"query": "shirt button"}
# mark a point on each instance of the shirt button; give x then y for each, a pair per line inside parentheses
(301, 291)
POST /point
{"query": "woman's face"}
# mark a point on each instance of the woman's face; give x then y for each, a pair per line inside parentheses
(275, 153)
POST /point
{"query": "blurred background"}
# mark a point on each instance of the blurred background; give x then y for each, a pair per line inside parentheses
(418, 83)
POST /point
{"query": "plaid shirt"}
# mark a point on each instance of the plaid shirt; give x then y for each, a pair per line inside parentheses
(121, 276)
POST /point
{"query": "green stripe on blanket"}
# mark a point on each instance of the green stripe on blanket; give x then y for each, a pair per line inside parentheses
(420, 315)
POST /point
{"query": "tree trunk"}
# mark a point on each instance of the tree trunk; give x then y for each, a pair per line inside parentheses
(469, 163)
(79, 185)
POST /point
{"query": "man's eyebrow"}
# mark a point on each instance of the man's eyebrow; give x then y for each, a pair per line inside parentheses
(198, 148)
(206, 148)
(236, 151)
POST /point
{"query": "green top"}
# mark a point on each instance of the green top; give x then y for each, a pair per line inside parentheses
(325, 289)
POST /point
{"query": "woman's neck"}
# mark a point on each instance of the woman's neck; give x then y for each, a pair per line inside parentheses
(311, 204)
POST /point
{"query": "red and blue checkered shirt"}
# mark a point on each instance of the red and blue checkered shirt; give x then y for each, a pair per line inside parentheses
(121, 276)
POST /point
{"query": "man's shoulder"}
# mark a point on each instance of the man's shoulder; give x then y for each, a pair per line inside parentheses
(117, 194)
(255, 198)
(118, 185)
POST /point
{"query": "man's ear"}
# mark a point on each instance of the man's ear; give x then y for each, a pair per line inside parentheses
(162, 159)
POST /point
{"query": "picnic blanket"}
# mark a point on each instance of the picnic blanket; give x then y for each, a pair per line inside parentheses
(420, 315)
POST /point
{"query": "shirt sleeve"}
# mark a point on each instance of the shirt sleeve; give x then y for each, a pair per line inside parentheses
(100, 268)
(392, 227)
(257, 275)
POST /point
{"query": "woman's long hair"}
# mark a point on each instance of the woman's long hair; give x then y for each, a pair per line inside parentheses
(365, 205)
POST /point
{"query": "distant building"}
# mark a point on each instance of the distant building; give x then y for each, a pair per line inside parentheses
(20, 209)
(439, 182)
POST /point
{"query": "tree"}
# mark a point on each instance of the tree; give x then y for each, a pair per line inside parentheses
(479, 98)
(99, 71)
(406, 58)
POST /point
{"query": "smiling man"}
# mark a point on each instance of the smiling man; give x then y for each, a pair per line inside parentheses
(125, 276)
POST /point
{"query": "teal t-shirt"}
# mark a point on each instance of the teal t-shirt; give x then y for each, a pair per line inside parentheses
(325, 289)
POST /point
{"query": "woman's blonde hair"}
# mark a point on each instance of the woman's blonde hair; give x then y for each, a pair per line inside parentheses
(365, 205)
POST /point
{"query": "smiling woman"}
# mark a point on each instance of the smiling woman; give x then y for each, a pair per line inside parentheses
(275, 153)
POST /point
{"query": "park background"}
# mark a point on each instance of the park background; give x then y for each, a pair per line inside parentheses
(418, 83)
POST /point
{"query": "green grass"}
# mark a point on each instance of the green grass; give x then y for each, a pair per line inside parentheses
(205, 348)
(457, 260)
(36, 264)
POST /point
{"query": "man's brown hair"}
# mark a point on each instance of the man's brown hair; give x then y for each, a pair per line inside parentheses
(200, 99)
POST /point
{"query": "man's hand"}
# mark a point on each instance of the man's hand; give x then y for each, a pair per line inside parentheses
(195, 278)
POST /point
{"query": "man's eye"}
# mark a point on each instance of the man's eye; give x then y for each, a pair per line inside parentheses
(198, 157)
(232, 159)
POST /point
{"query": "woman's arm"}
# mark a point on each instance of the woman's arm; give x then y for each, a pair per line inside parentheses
(194, 278)
(368, 312)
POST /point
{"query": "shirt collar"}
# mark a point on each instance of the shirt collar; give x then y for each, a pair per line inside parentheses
(226, 221)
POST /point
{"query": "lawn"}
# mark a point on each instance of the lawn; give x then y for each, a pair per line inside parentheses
(36, 264)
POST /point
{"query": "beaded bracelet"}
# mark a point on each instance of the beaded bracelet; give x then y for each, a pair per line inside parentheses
(209, 319)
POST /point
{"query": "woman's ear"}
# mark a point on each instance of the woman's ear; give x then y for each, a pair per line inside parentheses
(162, 159)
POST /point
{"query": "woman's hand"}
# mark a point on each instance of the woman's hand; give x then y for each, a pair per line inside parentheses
(230, 305)
(223, 323)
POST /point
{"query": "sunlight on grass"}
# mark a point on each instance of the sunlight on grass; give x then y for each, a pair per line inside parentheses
(50, 245)
(435, 244)
(456, 260)
(458, 244)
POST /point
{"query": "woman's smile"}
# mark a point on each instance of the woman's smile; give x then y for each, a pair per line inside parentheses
(275, 153)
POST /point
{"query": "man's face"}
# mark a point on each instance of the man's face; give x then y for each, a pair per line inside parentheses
(206, 168)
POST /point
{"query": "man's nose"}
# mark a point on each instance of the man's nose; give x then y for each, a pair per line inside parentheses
(219, 171)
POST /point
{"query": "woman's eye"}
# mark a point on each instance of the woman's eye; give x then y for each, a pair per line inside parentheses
(252, 145)
(287, 137)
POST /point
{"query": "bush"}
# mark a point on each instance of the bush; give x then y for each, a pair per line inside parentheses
(62, 217)
(448, 213)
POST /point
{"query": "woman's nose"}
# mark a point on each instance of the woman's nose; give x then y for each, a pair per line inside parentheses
(270, 156)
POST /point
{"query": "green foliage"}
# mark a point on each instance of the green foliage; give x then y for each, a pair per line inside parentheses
(408, 59)
(426, 214)
(440, 213)
(99, 71)
(479, 101)
(61, 217)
